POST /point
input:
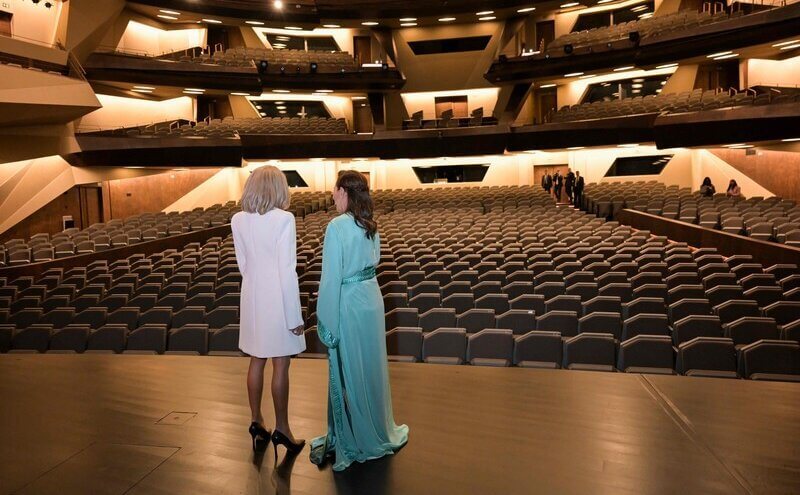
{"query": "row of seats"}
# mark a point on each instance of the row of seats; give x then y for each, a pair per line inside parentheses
(327, 61)
(475, 258)
(718, 357)
(767, 219)
(686, 101)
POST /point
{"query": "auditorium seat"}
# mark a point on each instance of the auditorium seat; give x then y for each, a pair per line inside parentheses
(564, 322)
(188, 337)
(645, 324)
(750, 329)
(693, 326)
(601, 322)
(445, 346)
(490, 347)
(784, 312)
(475, 320)
(437, 318)
(646, 354)
(538, 349)
(770, 360)
(404, 344)
(708, 357)
(148, 337)
(110, 337)
(589, 351)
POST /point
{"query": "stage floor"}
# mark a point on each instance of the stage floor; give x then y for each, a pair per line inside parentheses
(97, 424)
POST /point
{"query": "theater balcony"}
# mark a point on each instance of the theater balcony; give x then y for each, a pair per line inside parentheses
(243, 69)
(691, 118)
(649, 42)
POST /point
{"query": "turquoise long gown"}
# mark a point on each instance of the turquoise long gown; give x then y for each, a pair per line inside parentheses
(350, 322)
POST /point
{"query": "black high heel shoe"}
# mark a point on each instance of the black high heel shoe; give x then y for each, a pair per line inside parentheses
(279, 438)
(261, 436)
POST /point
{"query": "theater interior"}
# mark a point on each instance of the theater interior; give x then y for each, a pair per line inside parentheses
(636, 334)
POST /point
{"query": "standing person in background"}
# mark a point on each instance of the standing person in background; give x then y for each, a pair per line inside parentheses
(548, 181)
(544, 181)
(558, 183)
(577, 190)
(707, 189)
(569, 183)
(734, 191)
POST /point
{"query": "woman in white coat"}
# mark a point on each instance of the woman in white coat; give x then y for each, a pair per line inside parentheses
(271, 322)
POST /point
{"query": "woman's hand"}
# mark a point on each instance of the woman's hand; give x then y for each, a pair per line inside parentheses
(297, 330)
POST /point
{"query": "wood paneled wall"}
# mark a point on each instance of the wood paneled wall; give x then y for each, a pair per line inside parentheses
(778, 171)
(82, 202)
(151, 193)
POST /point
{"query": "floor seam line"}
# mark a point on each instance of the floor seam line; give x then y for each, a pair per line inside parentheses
(685, 424)
(177, 449)
(51, 469)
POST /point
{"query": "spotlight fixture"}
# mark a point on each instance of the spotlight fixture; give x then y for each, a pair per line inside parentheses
(568, 48)
(278, 4)
(263, 65)
(48, 5)
(283, 69)
(312, 67)
(634, 36)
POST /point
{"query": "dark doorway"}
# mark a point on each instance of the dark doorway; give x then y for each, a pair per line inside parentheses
(718, 75)
(218, 35)
(546, 102)
(362, 49)
(545, 33)
(362, 116)
(5, 23)
(213, 107)
(91, 201)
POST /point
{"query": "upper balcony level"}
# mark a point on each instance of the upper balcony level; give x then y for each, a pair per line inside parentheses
(651, 41)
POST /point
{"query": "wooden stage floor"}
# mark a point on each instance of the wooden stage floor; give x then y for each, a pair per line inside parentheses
(97, 424)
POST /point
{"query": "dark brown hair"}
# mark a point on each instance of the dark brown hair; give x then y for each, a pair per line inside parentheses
(359, 202)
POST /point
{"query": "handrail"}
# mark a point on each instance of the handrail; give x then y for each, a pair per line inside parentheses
(174, 123)
(75, 67)
(55, 46)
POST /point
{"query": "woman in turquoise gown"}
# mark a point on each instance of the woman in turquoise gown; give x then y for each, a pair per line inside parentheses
(350, 322)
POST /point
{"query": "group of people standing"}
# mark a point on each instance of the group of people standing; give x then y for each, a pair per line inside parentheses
(571, 183)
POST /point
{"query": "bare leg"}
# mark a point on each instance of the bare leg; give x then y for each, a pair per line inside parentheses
(280, 394)
(255, 387)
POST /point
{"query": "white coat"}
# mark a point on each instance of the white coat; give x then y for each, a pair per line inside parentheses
(266, 251)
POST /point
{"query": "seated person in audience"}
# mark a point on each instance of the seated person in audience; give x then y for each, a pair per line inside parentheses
(734, 191)
(569, 183)
(707, 188)
(577, 190)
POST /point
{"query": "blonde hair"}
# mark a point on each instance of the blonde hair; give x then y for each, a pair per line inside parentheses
(265, 189)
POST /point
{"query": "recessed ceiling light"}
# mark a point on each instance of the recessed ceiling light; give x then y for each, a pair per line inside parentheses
(317, 159)
(789, 140)
(142, 90)
(526, 9)
(319, 94)
(194, 89)
(212, 21)
(628, 145)
(551, 85)
(324, 91)
(730, 55)
(358, 98)
(573, 74)
(570, 4)
(408, 24)
(636, 85)
(487, 18)
(587, 76)
(713, 55)
(408, 19)
(605, 1)
(170, 12)
(136, 166)
(279, 102)
(193, 92)
(638, 8)
(263, 114)
(369, 23)
(790, 47)
(576, 147)
(331, 26)
(169, 17)
(278, 4)
(639, 79)
(255, 23)
(485, 12)
(784, 43)
(666, 66)
(636, 91)
(281, 111)
(281, 91)
(293, 28)
(280, 107)
(663, 83)
(627, 67)
(645, 15)
(144, 87)
(282, 38)
(240, 94)
(447, 19)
